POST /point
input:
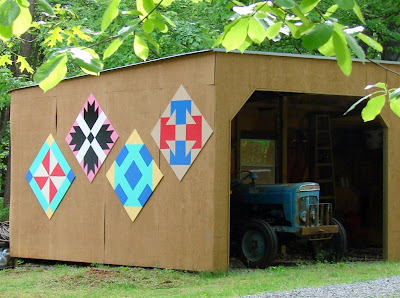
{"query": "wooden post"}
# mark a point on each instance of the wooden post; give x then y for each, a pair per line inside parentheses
(284, 117)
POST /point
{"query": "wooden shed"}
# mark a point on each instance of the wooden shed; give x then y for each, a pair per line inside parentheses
(68, 204)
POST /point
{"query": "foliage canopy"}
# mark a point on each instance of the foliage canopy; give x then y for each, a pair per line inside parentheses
(73, 41)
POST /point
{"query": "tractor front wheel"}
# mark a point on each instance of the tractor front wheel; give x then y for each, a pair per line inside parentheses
(259, 244)
(334, 249)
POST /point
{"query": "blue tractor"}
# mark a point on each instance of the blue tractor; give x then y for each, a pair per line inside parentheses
(265, 215)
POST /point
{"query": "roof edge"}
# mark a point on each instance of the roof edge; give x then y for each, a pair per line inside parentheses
(220, 50)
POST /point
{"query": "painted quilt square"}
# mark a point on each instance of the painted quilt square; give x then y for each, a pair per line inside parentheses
(134, 175)
(91, 137)
(50, 176)
(181, 132)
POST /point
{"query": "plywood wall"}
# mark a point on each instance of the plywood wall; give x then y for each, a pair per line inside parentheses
(184, 225)
(174, 229)
(238, 76)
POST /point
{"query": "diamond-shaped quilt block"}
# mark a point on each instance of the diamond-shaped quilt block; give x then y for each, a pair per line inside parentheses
(181, 132)
(50, 176)
(91, 137)
(134, 175)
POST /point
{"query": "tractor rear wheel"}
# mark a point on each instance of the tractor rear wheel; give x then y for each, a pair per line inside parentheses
(259, 244)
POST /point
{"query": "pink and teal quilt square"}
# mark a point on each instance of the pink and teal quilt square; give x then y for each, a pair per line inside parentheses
(50, 176)
(134, 175)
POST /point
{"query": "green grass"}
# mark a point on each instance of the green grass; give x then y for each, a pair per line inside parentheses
(67, 281)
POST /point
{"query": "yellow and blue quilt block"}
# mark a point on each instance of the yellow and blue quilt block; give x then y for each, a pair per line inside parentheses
(134, 175)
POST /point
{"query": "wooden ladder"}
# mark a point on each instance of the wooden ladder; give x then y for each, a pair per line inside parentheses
(323, 166)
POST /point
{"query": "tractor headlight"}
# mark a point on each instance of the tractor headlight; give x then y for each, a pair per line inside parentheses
(303, 216)
(309, 187)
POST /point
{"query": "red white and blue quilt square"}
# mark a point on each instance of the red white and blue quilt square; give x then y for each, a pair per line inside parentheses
(91, 137)
(134, 175)
(181, 132)
(50, 176)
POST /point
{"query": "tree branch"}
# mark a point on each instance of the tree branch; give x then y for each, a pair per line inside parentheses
(110, 38)
(384, 67)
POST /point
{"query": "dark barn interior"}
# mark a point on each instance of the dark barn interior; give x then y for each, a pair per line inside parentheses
(306, 137)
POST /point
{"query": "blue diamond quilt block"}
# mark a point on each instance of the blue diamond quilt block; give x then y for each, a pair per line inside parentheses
(134, 175)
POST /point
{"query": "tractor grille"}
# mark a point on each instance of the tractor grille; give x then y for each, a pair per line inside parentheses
(319, 214)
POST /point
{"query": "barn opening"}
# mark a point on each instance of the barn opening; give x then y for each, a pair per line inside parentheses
(295, 137)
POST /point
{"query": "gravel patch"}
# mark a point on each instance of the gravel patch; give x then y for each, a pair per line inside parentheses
(382, 287)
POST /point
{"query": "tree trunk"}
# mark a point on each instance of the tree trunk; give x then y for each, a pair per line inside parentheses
(25, 50)
(7, 187)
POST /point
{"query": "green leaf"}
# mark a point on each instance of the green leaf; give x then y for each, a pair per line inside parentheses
(46, 7)
(140, 48)
(23, 22)
(148, 26)
(226, 29)
(273, 30)
(145, 7)
(23, 3)
(50, 73)
(160, 26)
(341, 51)
(9, 11)
(72, 39)
(393, 95)
(82, 35)
(131, 12)
(345, 4)
(293, 29)
(309, 5)
(245, 45)
(285, 3)
(110, 14)
(395, 106)
(88, 60)
(112, 48)
(379, 85)
(318, 36)
(394, 98)
(125, 31)
(356, 103)
(354, 46)
(330, 11)
(327, 49)
(150, 40)
(235, 2)
(358, 12)
(256, 31)
(260, 15)
(5, 32)
(24, 64)
(370, 42)
(262, 7)
(55, 35)
(298, 12)
(305, 28)
(5, 59)
(397, 20)
(236, 36)
(373, 108)
(168, 20)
